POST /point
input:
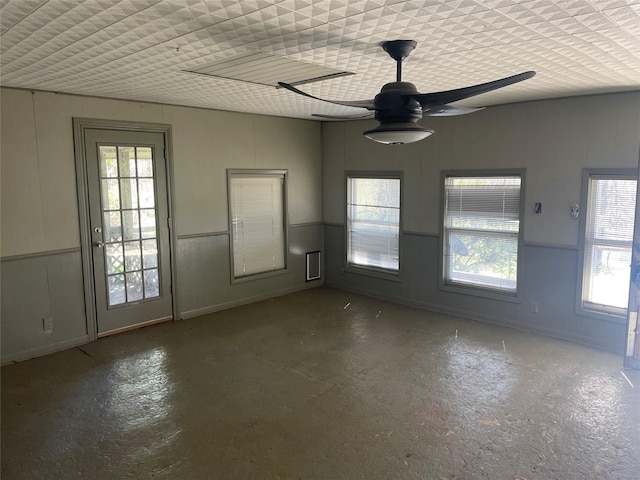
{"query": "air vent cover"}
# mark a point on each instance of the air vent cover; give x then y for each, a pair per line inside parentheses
(265, 69)
(313, 266)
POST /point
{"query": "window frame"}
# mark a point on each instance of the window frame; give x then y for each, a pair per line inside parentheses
(231, 173)
(613, 314)
(482, 291)
(373, 271)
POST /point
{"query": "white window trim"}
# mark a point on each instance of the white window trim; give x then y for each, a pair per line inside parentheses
(588, 309)
(482, 291)
(231, 173)
(372, 271)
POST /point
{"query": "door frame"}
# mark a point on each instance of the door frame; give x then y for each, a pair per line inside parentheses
(632, 345)
(80, 125)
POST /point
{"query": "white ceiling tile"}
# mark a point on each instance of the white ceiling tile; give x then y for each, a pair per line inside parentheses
(135, 49)
(14, 11)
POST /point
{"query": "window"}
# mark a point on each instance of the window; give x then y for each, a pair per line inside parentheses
(481, 232)
(373, 222)
(607, 244)
(257, 217)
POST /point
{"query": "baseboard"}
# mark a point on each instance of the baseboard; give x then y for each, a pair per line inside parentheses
(244, 301)
(44, 350)
(539, 330)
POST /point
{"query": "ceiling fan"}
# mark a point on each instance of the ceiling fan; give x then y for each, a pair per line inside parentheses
(399, 105)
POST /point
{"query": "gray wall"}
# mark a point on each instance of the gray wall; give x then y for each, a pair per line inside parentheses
(553, 140)
(41, 270)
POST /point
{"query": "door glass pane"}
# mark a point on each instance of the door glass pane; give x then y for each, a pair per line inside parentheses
(127, 161)
(134, 286)
(110, 195)
(149, 253)
(131, 225)
(132, 256)
(108, 162)
(116, 290)
(147, 194)
(151, 284)
(112, 226)
(129, 215)
(145, 162)
(114, 258)
(148, 223)
(129, 193)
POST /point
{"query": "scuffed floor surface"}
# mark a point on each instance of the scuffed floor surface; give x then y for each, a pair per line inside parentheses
(322, 384)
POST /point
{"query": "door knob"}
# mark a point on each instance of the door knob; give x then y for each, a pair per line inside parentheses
(98, 244)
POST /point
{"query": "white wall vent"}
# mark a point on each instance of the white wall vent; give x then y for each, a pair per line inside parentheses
(313, 266)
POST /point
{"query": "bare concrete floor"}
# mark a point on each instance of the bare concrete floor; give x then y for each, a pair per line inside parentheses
(322, 384)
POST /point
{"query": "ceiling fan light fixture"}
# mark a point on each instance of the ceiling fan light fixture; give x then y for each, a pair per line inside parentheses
(398, 133)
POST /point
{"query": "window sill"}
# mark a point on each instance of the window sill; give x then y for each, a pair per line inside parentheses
(489, 294)
(391, 275)
(613, 317)
(258, 276)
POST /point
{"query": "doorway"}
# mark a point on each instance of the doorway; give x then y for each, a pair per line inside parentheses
(124, 203)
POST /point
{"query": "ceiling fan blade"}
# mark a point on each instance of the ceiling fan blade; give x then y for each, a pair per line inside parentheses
(447, 111)
(448, 96)
(368, 104)
(343, 117)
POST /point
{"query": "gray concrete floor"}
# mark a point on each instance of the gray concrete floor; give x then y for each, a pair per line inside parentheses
(304, 386)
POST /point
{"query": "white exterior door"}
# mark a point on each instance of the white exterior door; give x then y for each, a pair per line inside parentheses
(128, 216)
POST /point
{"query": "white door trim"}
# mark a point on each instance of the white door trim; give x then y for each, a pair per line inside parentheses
(80, 125)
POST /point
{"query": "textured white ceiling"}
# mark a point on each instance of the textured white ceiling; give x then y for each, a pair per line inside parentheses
(136, 49)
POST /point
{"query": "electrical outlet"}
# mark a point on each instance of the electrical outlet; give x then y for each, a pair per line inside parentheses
(533, 307)
(47, 325)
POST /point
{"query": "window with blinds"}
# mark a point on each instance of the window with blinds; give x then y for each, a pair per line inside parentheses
(258, 229)
(608, 240)
(373, 223)
(481, 232)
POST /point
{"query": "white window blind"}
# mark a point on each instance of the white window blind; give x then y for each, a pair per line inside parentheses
(373, 222)
(608, 242)
(257, 223)
(481, 232)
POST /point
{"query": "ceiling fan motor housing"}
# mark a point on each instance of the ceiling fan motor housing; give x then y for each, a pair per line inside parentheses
(394, 104)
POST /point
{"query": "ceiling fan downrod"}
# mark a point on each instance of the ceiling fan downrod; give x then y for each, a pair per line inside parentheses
(399, 50)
